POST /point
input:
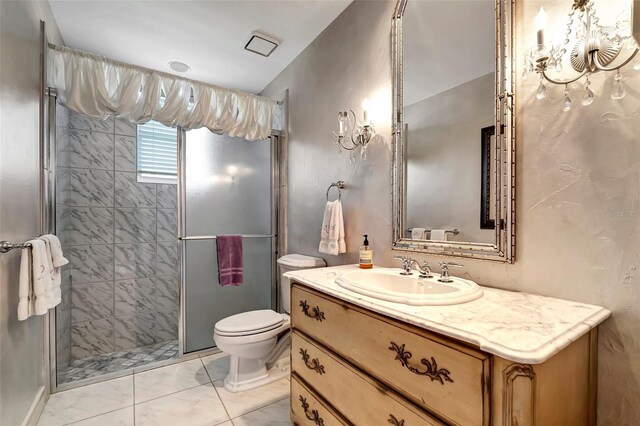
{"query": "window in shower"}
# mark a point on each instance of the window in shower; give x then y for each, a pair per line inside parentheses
(157, 149)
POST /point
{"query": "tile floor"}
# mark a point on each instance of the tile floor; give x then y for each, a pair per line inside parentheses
(188, 393)
(118, 361)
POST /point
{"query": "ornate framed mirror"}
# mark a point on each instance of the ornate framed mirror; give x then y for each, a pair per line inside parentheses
(454, 128)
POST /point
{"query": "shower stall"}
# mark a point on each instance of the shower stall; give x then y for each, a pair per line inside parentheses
(141, 289)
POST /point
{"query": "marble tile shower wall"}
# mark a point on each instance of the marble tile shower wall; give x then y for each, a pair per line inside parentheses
(120, 238)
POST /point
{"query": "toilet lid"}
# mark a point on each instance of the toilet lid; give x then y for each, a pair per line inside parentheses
(301, 261)
(250, 322)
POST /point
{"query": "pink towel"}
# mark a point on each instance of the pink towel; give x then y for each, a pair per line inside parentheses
(229, 259)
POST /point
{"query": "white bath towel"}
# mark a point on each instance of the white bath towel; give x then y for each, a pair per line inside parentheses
(36, 290)
(56, 278)
(57, 257)
(26, 298)
(418, 233)
(332, 234)
(438, 235)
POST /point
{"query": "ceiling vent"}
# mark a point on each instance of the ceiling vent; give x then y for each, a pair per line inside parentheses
(261, 44)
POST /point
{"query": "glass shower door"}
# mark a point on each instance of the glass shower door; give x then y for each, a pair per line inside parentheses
(227, 190)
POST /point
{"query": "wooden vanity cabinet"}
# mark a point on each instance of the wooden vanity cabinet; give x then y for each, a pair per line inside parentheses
(359, 367)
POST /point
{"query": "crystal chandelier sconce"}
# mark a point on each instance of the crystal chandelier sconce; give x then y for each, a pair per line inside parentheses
(353, 136)
(588, 47)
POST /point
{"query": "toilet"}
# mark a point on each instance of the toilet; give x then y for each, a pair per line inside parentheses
(258, 342)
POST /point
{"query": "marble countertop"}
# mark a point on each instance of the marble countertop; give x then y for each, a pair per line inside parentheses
(520, 327)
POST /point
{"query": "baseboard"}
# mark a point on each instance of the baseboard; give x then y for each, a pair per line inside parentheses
(33, 415)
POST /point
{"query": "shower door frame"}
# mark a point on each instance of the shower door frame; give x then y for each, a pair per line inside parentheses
(276, 137)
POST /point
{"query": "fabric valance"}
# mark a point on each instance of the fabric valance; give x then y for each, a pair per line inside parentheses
(99, 87)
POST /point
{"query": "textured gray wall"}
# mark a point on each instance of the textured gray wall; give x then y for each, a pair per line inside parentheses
(578, 183)
(21, 343)
(444, 146)
(349, 61)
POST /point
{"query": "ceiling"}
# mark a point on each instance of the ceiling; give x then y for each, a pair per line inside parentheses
(209, 36)
(446, 43)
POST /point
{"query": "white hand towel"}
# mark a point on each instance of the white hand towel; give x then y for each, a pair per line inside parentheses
(326, 228)
(342, 246)
(39, 288)
(332, 235)
(26, 299)
(418, 233)
(56, 250)
(438, 235)
(56, 279)
(41, 277)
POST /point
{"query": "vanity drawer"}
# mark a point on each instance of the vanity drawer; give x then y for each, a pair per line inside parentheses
(306, 408)
(446, 378)
(361, 399)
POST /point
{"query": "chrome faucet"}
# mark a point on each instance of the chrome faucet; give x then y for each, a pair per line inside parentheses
(408, 263)
(444, 274)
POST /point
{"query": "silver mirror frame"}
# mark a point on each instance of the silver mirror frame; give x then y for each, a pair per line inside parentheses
(635, 20)
(505, 179)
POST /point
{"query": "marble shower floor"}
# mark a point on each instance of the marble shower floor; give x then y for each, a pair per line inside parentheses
(118, 361)
(187, 393)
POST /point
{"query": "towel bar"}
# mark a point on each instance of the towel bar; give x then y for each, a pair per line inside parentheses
(340, 185)
(447, 231)
(6, 246)
(213, 237)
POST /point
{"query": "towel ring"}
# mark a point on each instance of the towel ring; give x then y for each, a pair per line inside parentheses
(340, 185)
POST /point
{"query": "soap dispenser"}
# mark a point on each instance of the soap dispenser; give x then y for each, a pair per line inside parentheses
(366, 255)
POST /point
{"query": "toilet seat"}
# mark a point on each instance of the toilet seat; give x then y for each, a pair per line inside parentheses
(249, 323)
(223, 339)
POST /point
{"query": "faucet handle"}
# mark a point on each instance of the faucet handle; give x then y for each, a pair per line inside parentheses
(406, 264)
(446, 264)
(444, 274)
(403, 258)
(406, 260)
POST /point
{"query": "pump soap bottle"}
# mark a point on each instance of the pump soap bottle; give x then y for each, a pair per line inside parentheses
(366, 255)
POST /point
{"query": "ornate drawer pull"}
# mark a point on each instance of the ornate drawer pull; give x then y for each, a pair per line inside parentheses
(316, 313)
(314, 416)
(395, 422)
(432, 371)
(314, 364)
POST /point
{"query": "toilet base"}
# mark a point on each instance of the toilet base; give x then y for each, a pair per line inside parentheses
(279, 370)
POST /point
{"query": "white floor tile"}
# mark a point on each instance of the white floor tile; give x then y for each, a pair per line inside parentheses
(196, 406)
(123, 417)
(88, 401)
(217, 366)
(167, 380)
(277, 414)
(240, 403)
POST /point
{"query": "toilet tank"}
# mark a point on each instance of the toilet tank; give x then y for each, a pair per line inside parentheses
(294, 262)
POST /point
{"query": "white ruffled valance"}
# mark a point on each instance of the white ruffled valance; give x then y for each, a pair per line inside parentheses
(99, 87)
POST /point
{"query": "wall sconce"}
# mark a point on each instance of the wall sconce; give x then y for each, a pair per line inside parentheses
(352, 135)
(594, 48)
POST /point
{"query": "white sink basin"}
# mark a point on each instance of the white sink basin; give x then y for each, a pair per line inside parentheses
(387, 284)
